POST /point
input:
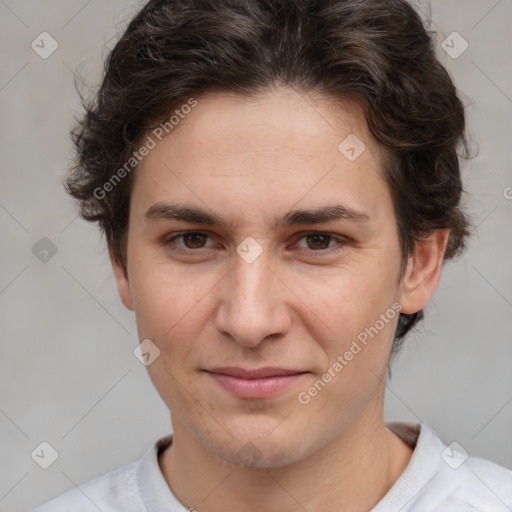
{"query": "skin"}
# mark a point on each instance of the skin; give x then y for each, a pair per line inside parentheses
(251, 160)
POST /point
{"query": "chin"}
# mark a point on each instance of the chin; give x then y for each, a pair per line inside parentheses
(259, 454)
(252, 446)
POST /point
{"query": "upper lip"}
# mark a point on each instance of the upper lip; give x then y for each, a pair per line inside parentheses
(257, 373)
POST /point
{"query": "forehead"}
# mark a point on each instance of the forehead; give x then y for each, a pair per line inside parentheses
(274, 119)
(265, 153)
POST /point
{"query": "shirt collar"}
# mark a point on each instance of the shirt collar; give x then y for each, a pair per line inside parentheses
(152, 485)
(422, 468)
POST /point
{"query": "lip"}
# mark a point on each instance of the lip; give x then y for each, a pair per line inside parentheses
(254, 383)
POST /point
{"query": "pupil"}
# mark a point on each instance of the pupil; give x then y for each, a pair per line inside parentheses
(194, 237)
(321, 237)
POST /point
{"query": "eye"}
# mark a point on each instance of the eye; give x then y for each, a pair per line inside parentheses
(318, 242)
(193, 240)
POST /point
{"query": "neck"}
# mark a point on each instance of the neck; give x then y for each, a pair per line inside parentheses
(350, 474)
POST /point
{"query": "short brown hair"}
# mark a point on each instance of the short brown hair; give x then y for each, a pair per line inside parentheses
(374, 51)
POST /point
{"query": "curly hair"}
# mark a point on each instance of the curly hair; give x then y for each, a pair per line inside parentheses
(376, 52)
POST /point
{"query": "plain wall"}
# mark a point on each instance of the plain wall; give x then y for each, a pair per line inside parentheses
(67, 372)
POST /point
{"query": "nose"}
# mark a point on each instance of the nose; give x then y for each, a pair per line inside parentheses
(253, 304)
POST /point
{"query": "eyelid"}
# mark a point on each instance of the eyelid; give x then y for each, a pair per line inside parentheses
(302, 234)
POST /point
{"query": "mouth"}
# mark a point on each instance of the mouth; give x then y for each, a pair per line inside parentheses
(255, 383)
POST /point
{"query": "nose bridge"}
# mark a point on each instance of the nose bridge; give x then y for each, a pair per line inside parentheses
(252, 282)
(253, 305)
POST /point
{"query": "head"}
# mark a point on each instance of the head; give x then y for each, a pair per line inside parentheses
(307, 152)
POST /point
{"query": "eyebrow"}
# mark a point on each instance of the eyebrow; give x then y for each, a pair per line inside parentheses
(194, 214)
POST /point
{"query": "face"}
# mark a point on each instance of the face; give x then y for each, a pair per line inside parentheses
(260, 313)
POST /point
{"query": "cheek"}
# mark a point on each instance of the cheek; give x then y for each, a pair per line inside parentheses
(168, 309)
(166, 299)
(357, 354)
(348, 300)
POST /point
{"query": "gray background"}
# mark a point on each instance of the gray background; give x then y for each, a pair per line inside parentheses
(68, 374)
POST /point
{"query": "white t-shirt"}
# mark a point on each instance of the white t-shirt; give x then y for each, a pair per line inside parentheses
(438, 478)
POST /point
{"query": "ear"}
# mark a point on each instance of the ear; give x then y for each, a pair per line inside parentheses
(123, 285)
(423, 271)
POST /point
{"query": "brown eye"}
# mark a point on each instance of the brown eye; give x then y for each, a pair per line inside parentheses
(194, 240)
(320, 244)
(318, 241)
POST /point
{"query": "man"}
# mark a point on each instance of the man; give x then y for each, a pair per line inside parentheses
(279, 185)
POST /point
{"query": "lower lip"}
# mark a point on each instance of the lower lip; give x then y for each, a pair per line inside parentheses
(255, 388)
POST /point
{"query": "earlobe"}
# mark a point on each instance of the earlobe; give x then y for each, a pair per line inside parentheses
(423, 271)
(123, 285)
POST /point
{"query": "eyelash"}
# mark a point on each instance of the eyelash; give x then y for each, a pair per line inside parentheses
(341, 242)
